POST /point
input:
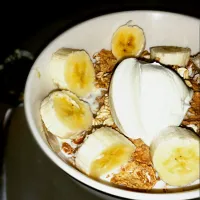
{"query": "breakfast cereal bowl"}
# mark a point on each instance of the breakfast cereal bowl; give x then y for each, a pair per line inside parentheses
(92, 39)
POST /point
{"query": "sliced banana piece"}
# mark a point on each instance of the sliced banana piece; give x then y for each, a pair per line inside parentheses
(176, 157)
(103, 151)
(64, 115)
(128, 40)
(171, 55)
(73, 70)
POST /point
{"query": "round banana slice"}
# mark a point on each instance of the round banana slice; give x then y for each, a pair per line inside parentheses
(64, 115)
(176, 157)
(171, 55)
(128, 40)
(73, 70)
(103, 151)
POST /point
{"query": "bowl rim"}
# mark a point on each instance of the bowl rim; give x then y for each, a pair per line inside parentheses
(73, 172)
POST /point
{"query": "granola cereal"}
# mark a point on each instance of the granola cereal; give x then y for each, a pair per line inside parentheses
(139, 172)
(142, 155)
(79, 139)
(192, 117)
(104, 65)
(145, 55)
(191, 76)
(137, 142)
(105, 61)
(101, 98)
(136, 176)
(103, 117)
(67, 148)
(196, 60)
(103, 80)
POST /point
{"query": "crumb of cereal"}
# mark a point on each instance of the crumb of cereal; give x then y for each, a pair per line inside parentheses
(136, 175)
(192, 117)
(114, 126)
(105, 61)
(101, 99)
(108, 175)
(196, 60)
(103, 80)
(145, 54)
(79, 139)
(137, 142)
(104, 65)
(67, 148)
(142, 155)
(139, 172)
(103, 116)
(158, 178)
(195, 86)
(142, 152)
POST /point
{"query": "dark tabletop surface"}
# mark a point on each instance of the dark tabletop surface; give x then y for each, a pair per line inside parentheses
(29, 174)
(30, 26)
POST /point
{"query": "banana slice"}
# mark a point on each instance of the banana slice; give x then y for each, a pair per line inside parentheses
(73, 70)
(103, 151)
(175, 155)
(64, 114)
(171, 55)
(128, 40)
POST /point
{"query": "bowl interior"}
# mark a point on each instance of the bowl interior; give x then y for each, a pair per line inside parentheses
(160, 28)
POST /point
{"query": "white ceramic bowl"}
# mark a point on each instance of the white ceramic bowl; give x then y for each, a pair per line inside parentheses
(161, 28)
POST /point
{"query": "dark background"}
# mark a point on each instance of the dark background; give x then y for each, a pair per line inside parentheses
(23, 26)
